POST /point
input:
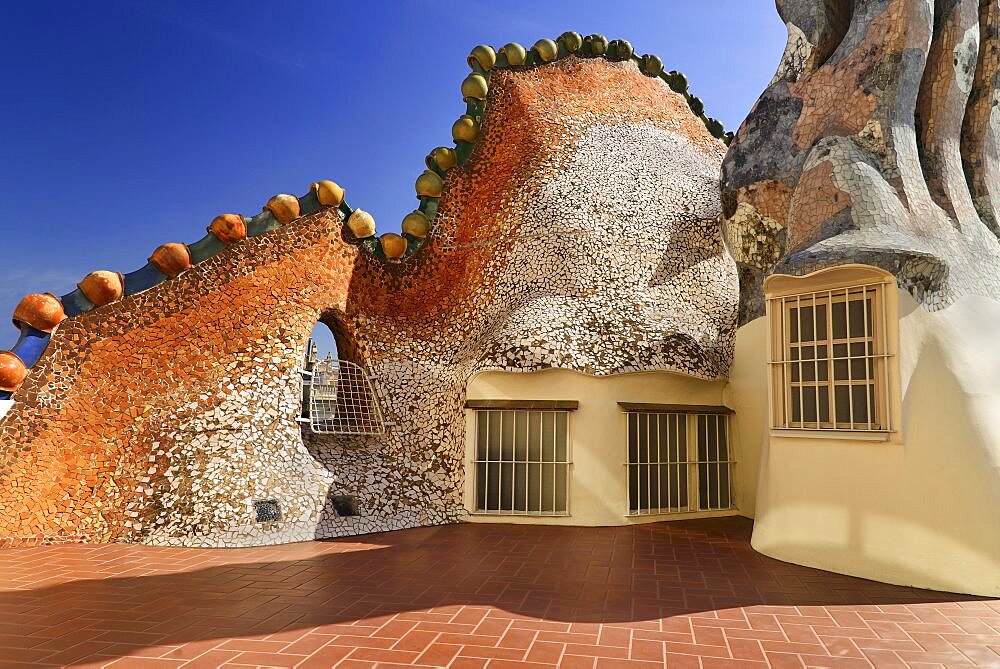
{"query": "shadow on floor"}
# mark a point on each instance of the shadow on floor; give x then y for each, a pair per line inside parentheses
(604, 575)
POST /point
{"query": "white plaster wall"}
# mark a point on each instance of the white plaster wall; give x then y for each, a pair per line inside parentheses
(923, 507)
(597, 431)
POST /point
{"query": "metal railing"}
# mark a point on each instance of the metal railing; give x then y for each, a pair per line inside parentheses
(342, 400)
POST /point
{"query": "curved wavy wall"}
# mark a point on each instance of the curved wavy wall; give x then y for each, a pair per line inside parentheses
(581, 234)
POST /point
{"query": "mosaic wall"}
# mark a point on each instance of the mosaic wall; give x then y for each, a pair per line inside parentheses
(876, 142)
(574, 225)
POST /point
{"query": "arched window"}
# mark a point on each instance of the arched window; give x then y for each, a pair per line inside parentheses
(338, 396)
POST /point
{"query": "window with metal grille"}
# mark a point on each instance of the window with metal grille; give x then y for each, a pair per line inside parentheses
(678, 463)
(829, 363)
(522, 462)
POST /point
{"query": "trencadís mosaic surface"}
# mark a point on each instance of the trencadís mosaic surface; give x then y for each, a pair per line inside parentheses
(574, 224)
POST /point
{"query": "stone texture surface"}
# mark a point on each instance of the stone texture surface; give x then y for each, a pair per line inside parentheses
(581, 234)
(876, 142)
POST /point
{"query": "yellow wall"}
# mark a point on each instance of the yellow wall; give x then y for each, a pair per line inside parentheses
(921, 508)
(597, 430)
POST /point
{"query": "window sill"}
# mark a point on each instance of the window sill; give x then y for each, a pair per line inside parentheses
(516, 514)
(845, 435)
(689, 514)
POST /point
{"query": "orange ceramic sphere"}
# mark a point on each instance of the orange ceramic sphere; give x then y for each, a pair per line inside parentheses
(102, 287)
(12, 371)
(393, 245)
(285, 208)
(171, 259)
(42, 311)
(328, 193)
(229, 228)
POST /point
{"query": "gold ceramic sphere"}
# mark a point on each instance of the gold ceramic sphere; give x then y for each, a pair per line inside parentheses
(515, 53)
(284, 208)
(328, 193)
(361, 224)
(546, 49)
(171, 259)
(443, 157)
(651, 65)
(484, 55)
(42, 311)
(571, 41)
(393, 245)
(102, 287)
(465, 129)
(12, 371)
(474, 87)
(228, 228)
(595, 45)
(429, 184)
(416, 224)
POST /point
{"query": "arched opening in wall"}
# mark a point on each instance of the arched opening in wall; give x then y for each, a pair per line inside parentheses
(837, 20)
(338, 396)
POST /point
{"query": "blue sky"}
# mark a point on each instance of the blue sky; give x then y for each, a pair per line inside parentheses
(127, 124)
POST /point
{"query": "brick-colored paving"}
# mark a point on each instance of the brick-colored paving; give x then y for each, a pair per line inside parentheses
(683, 594)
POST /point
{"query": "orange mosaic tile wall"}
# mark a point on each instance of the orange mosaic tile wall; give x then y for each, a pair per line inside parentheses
(584, 224)
(96, 425)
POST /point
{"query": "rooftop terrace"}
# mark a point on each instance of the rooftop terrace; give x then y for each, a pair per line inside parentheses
(681, 594)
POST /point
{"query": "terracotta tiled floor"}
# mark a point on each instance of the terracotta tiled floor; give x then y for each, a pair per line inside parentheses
(684, 594)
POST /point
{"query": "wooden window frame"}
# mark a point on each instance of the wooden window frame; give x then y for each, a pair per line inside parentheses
(821, 291)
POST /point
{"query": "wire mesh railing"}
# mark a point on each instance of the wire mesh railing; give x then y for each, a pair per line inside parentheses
(342, 400)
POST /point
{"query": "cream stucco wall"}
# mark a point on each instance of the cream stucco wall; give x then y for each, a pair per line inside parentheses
(920, 508)
(597, 431)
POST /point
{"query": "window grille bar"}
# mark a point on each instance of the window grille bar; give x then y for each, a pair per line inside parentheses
(843, 381)
(883, 366)
(541, 484)
(847, 343)
(798, 324)
(831, 369)
(850, 375)
(786, 392)
(649, 473)
(815, 349)
(555, 453)
(718, 467)
(486, 494)
(666, 449)
(527, 465)
(868, 376)
(520, 452)
(678, 468)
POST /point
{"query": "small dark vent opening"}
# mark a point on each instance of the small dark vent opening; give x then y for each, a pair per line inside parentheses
(267, 510)
(344, 505)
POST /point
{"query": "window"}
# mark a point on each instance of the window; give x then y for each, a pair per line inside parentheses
(522, 462)
(678, 462)
(829, 362)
